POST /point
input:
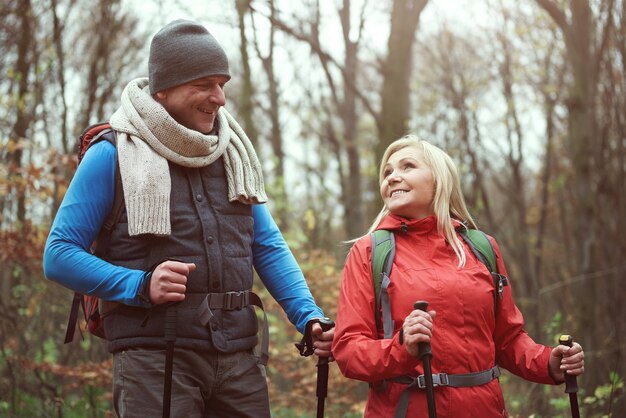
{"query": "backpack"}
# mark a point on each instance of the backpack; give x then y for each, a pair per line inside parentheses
(93, 315)
(383, 252)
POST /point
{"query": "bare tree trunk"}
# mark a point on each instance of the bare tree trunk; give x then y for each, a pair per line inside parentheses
(23, 118)
(246, 97)
(591, 151)
(276, 135)
(394, 116)
(353, 199)
(60, 55)
(577, 35)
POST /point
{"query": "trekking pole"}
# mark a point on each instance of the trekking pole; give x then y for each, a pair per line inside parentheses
(171, 317)
(571, 386)
(426, 354)
(322, 372)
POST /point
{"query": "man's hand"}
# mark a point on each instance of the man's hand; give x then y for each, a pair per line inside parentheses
(322, 341)
(169, 281)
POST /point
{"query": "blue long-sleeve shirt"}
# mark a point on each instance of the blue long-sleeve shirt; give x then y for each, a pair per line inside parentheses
(85, 207)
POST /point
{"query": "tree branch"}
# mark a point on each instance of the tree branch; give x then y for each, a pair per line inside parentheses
(555, 12)
(323, 56)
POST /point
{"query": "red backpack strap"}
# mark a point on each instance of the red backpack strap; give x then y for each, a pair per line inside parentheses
(104, 236)
(91, 135)
(87, 137)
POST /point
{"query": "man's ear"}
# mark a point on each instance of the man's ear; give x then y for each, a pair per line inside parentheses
(160, 95)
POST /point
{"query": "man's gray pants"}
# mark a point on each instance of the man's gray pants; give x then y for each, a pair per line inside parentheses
(204, 385)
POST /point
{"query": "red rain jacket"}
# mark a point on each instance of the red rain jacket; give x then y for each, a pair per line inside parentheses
(468, 335)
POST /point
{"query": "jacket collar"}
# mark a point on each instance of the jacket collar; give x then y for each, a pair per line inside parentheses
(424, 225)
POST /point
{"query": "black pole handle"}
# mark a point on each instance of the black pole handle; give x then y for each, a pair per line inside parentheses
(424, 348)
(426, 354)
(171, 319)
(322, 370)
(571, 386)
(326, 324)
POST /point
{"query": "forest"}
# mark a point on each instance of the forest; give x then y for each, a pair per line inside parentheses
(527, 96)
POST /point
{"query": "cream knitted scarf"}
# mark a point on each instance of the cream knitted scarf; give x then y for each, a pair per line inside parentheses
(148, 137)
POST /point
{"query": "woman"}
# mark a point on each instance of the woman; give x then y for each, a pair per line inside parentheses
(423, 207)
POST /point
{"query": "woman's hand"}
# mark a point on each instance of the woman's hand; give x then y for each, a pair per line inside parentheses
(564, 359)
(322, 341)
(417, 328)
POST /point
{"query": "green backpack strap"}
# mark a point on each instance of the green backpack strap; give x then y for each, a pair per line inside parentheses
(383, 252)
(483, 250)
(481, 247)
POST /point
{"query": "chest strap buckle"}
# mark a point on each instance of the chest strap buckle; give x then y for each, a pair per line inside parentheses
(227, 301)
(439, 379)
(460, 380)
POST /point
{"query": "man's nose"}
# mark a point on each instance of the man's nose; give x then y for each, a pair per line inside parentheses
(217, 96)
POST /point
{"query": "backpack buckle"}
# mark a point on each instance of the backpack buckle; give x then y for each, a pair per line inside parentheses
(236, 300)
(502, 281)
(439, 379)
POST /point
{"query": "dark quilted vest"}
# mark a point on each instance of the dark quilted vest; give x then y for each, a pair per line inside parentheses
(207, 230)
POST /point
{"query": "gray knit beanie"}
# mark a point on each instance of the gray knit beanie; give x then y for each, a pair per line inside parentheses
(183, 51)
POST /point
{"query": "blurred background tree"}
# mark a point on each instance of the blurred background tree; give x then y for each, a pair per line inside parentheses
(528, 97)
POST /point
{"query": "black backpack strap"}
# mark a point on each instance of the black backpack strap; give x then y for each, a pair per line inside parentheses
(73, 319)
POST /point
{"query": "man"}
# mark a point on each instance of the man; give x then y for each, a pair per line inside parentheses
(193, 228)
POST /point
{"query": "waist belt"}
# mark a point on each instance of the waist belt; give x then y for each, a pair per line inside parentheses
(453, 380)
(230, 301)
(441, 379)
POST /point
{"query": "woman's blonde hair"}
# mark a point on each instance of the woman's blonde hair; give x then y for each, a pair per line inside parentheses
(448, 202)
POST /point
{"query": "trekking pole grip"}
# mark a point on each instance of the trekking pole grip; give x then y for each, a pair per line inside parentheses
(322, 362)
(571, 386)
(424, 348)
(326, 324)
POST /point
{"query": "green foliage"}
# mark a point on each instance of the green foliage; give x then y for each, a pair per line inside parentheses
(517, 393)
(560, 404)
(91, 402)
(50, 352)
(604, 394)
(554, 325)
